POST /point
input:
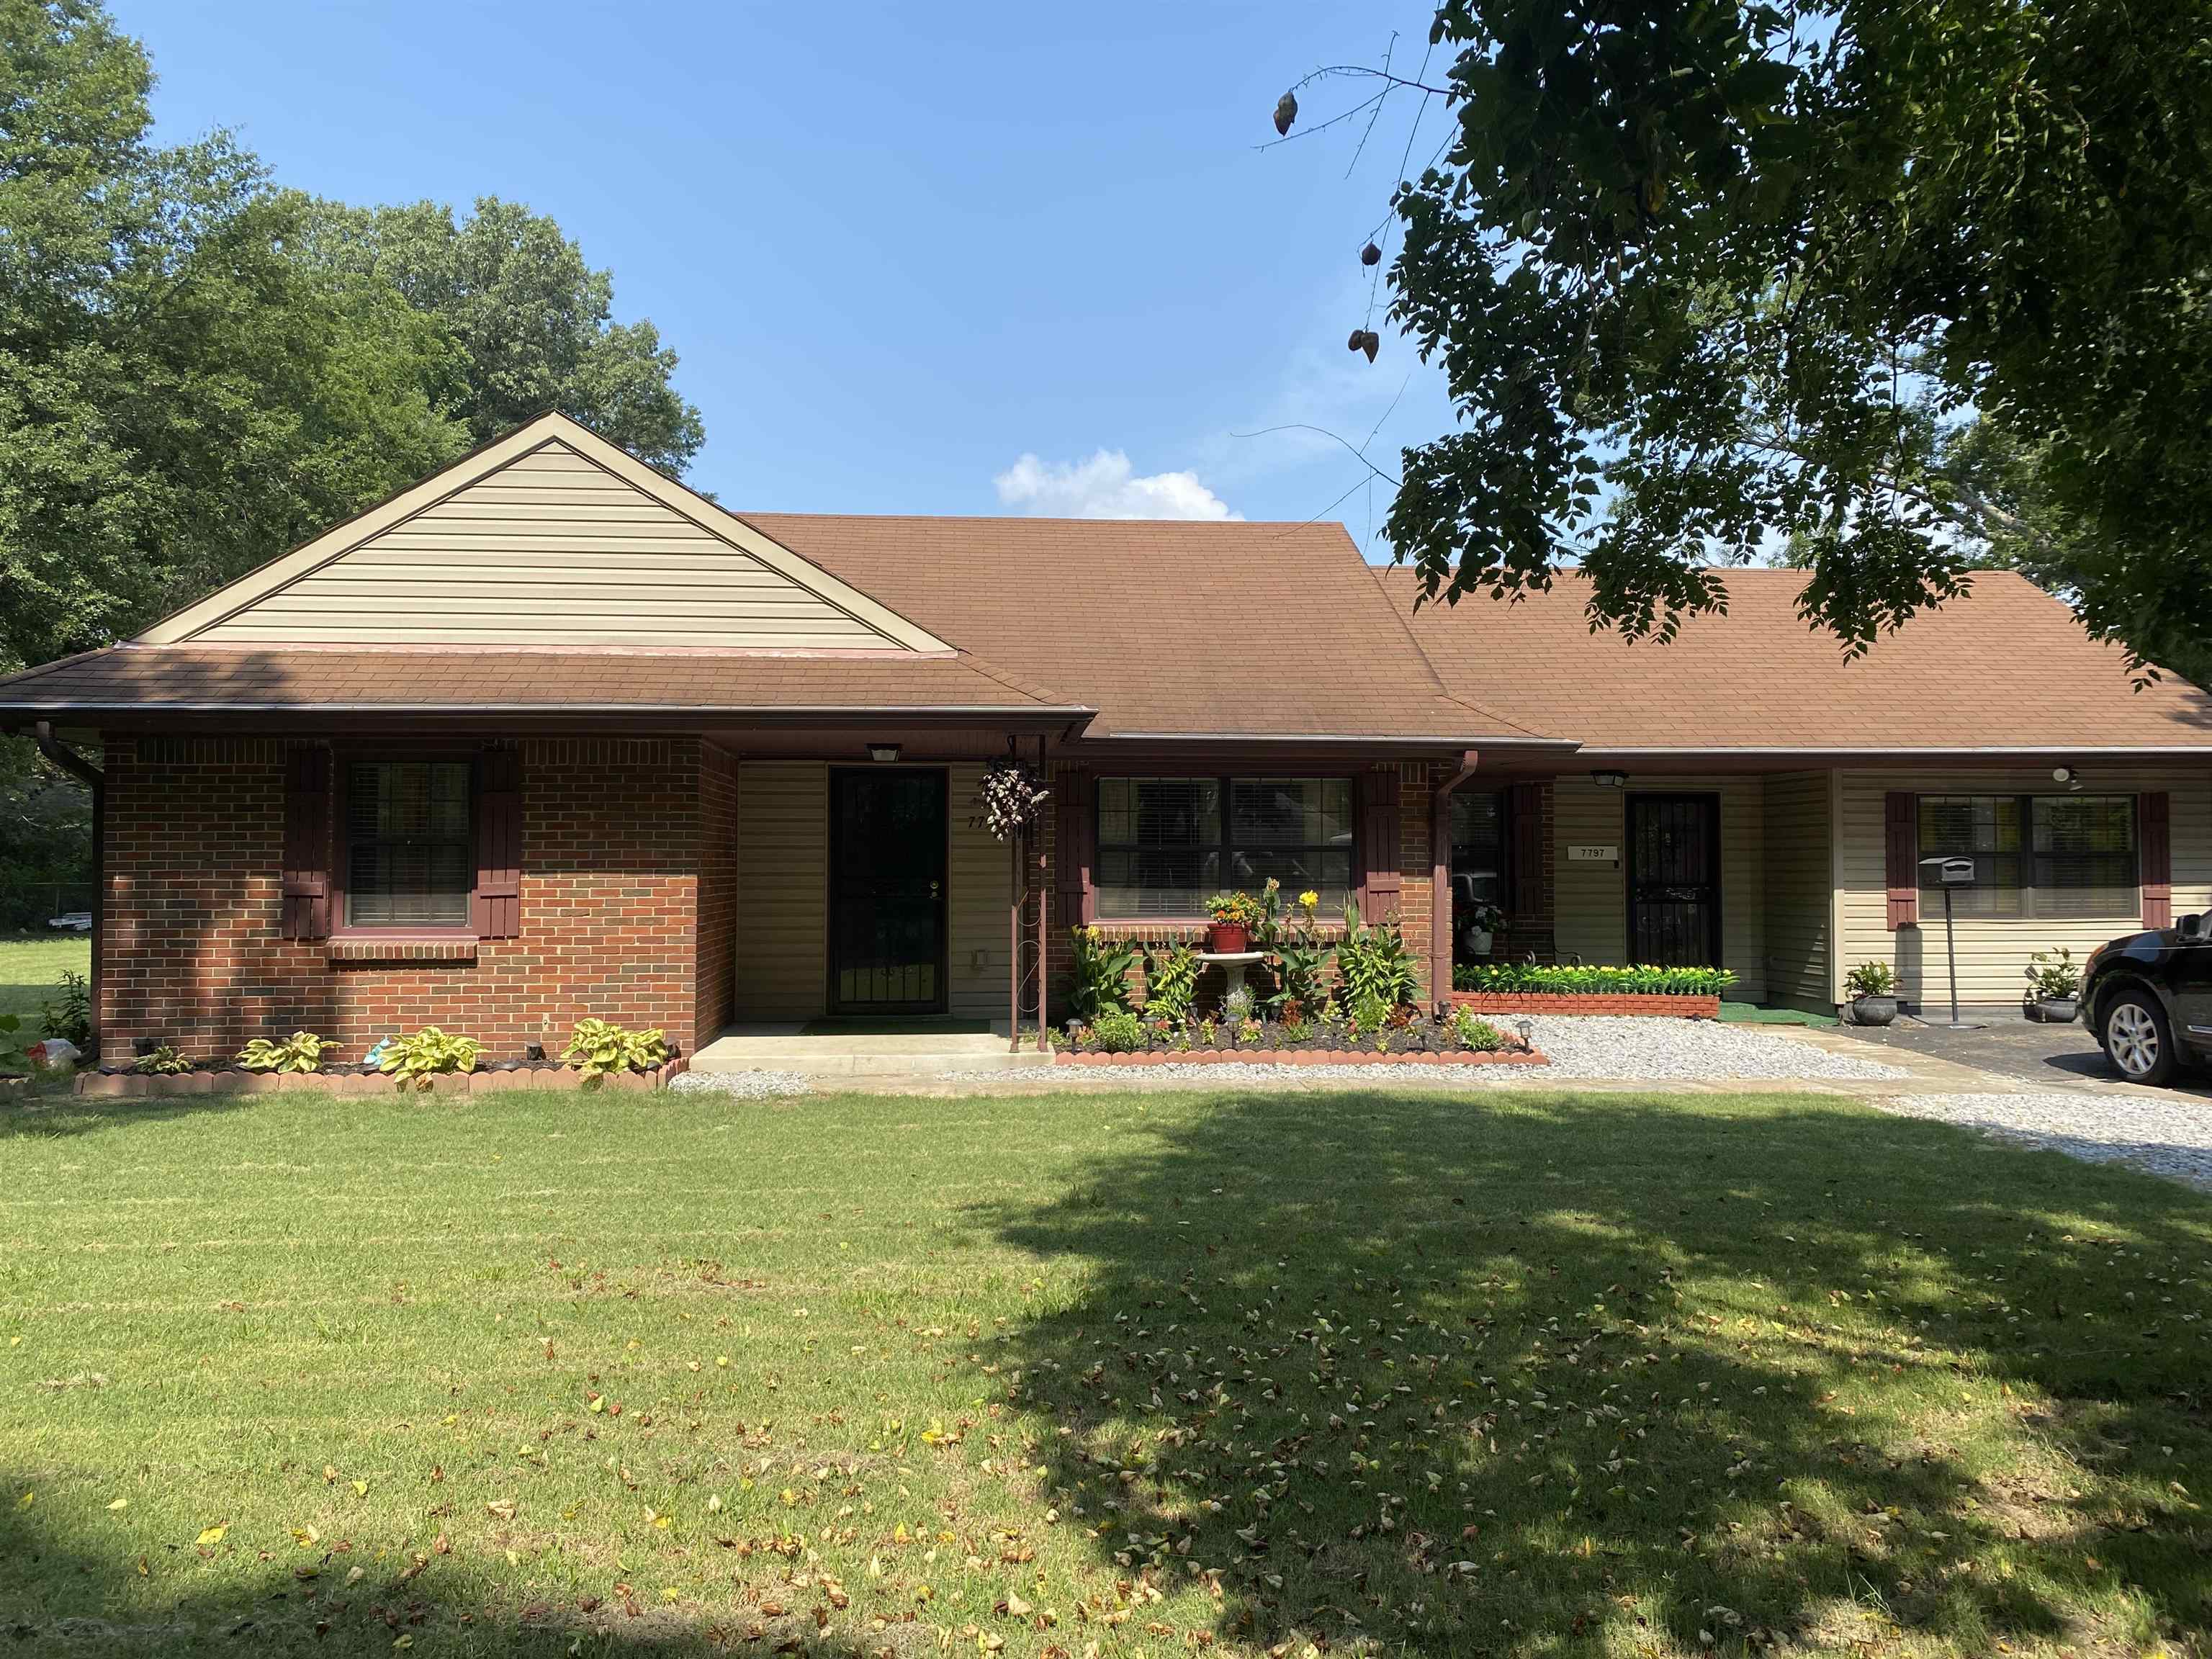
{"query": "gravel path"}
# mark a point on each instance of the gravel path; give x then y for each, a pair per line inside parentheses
(2171, 1138)
(1695, 1050)
(745, 1086)
(1580, 1047)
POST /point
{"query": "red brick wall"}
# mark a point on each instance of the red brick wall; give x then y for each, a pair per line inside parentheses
(611, 831)
(717, 957)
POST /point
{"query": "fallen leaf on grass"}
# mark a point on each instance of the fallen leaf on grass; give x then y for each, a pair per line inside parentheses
(211, 1535)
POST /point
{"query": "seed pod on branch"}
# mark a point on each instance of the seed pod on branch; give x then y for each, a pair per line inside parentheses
(1287, 111)
(1370, 255)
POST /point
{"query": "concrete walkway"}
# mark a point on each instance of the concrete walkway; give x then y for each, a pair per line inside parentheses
(855, 1051)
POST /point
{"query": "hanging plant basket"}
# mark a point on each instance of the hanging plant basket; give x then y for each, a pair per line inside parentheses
(1010, 797)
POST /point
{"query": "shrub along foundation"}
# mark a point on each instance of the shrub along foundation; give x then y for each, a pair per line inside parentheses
(129, 1084)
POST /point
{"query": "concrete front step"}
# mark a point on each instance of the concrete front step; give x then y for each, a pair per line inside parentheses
(788, 1048)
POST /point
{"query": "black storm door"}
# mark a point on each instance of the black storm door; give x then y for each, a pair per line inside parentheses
(887, 847)
(1675, 880)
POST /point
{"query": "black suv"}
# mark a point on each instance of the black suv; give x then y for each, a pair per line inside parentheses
(2148, 999)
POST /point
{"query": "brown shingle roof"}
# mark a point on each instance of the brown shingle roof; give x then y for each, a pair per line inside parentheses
(1164, 627)
(179, 679)
(2007, 667)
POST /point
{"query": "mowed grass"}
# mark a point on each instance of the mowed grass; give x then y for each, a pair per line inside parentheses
(31, 971)
(1408, 1374)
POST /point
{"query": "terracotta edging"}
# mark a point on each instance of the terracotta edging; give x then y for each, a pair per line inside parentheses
(1651, 1003)
(132, 1085)
(1307, 1057)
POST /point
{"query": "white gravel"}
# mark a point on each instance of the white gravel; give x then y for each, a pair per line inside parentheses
(744, 1085)
(2168, 1138)
(1580, 1047)
(1697, 1050)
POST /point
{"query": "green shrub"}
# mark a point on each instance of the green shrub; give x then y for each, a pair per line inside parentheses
(597, 1047)
(1870, 979)
(1563, 980)
(1118, 1031)
(2053, 974)
(1471, 1030)
(69, 1014)
(1170, 982)
(1377, 963)
(1369, 1015)
(302, 1051)
(15, 1062)
(164, 1061)
(414, 1061)
(1102, 974)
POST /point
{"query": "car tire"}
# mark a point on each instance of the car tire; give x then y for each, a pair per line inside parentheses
(2137, 1037)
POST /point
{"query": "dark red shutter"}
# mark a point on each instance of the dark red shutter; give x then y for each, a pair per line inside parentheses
(1380, 878)
(1900, 841)
(1524, 808)
(2154, 839)
(499, 844)
(1075, 845)
(307, 911)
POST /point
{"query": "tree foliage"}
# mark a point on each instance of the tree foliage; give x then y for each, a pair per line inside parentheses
(533, 322)
(1709, 279)
(199, 369)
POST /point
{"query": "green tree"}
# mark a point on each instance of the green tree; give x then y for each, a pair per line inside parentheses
(1708, 278)
(180, 397)
(533, 322)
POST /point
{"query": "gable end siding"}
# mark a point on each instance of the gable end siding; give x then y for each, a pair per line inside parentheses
(551, 548)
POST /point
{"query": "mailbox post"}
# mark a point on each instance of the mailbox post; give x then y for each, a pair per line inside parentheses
(1951, 873)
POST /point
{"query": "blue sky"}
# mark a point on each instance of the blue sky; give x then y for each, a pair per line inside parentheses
(899, 248)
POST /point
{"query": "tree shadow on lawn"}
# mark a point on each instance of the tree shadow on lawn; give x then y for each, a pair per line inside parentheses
(312, 1603)
(1455, 1375)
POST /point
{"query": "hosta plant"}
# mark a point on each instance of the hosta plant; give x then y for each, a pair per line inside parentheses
(302, 1051)
(412, 1061)
(598, 1047)
(164, 1061)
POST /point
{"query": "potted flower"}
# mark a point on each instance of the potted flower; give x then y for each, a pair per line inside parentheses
(2054, 987)
(1234, 916)
(1872, 988)
(1479, 927)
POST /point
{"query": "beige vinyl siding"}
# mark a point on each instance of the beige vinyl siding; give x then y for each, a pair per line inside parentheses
(783, 889)
(1590, 901)
(551, 548)
(1993, 952)
(979, 880)
(1798, 893)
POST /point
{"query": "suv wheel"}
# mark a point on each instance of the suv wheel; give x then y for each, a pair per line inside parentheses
(2137, 1037)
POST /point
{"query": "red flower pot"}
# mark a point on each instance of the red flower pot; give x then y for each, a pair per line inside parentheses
(1227, 939)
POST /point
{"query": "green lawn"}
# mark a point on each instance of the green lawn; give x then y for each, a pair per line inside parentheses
(31, 970)
(1402, 1374)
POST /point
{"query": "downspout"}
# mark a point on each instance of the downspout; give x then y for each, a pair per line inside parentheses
(96, 781)
(1440, 893)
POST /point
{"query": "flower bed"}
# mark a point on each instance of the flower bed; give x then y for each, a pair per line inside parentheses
(1409, 1038)
(1530, 988)
(125, 1082)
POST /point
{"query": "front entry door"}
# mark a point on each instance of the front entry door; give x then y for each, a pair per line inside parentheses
(1675, 880)
(887, 847)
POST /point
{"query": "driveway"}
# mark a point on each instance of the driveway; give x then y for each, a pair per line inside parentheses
(2046, 1056)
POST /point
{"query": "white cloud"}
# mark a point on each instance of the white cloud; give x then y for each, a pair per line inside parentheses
(1105, 487)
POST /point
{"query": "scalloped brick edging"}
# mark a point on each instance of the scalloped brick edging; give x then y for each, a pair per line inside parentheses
(1590, 1002)
(132, 1085)
(1308, 1057)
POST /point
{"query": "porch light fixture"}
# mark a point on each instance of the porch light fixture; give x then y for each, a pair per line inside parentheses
(1609, 780)
(885, 752)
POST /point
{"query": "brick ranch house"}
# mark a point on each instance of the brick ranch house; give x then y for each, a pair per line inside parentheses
(550, 736)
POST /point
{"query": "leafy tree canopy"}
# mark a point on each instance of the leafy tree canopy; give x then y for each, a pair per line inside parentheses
(198, 370)
(534, 323)
(1860, 279)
